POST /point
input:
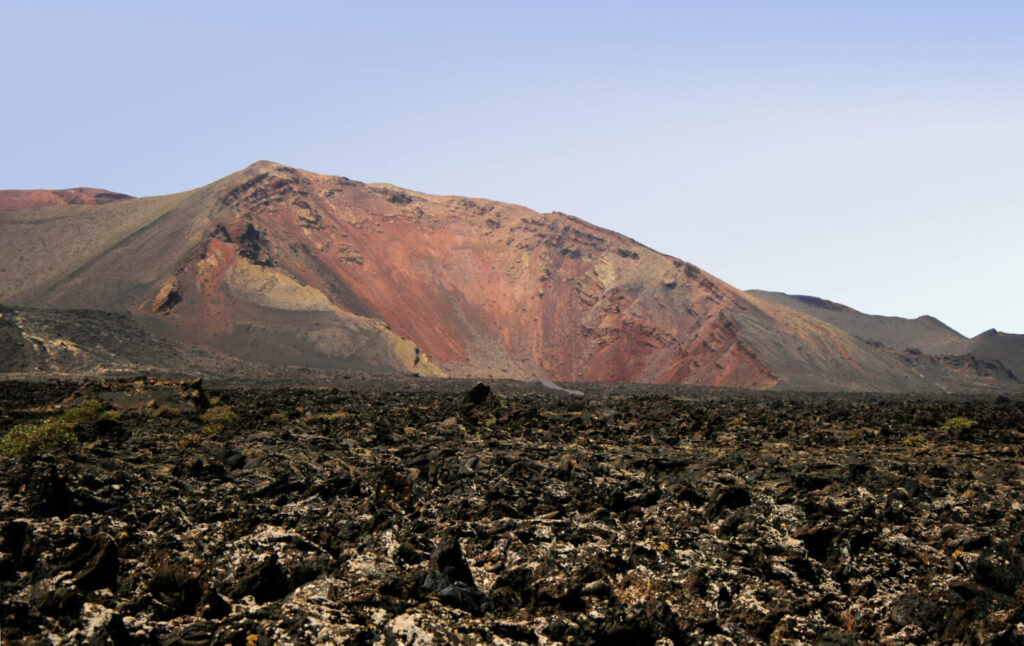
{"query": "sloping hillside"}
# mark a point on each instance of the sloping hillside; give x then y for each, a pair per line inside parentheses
(925, 333)
(285, 266)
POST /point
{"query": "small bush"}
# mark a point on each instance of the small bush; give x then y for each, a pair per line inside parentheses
(27, 438)
(915, 440)
(957, 424)
(737, 423)
(219, 415)
(53, 432)
(88, 412)
(216, 418)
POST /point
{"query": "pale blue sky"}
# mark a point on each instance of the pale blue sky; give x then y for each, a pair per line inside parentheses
(867, 152)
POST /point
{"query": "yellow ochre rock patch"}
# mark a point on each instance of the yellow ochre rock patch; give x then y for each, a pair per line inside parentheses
(273, 288)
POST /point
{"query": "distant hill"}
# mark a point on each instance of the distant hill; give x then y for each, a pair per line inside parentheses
(285, 267)
(924, 333)
(1007, 348)
(17, 200)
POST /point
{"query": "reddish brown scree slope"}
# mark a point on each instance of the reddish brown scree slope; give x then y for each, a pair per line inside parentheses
(14, 200)
(282, 265)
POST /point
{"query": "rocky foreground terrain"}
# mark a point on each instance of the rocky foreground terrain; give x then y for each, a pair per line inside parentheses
(169, 514)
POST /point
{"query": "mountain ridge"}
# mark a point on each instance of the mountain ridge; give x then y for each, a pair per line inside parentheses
(924, 333)
(274, 263)
(16, 200)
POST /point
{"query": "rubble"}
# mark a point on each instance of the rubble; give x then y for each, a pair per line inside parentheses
(326, 516)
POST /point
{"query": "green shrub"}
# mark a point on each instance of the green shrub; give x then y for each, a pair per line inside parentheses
(88, 412)
(53, 431)
(957, 424)
(915, 440)
(737, 423)
(219, 415)
(216, 418)
(26, 438)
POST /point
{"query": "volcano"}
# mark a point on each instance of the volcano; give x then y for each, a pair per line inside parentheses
(282, 266)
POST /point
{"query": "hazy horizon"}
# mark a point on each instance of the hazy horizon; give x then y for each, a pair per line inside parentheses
(870, 155)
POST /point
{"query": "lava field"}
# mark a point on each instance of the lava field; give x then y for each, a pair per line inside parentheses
(300, 516)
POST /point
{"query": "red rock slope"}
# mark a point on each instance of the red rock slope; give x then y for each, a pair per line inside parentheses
(287, 266)
(14, 200)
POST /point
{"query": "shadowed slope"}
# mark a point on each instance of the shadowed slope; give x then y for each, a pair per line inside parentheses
(1007, 348)
(87, 342)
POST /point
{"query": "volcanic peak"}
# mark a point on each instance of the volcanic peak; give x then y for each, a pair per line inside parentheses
(280, 265)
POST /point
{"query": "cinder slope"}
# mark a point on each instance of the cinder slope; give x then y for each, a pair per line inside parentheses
(86, 342)
(74, 344)
(121, 256)
(925, 333)
(1007, 348)
(281, 265)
